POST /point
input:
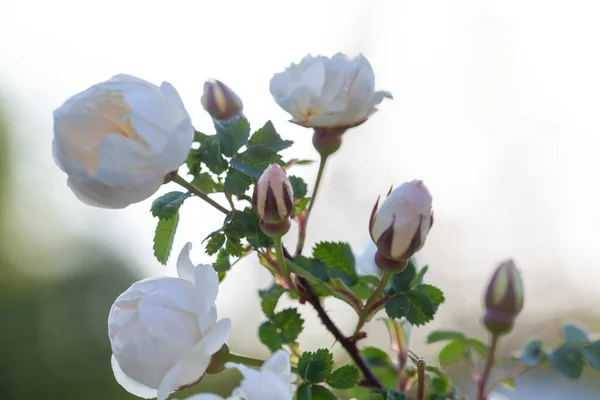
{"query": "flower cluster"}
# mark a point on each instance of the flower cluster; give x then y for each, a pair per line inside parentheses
(121, 140)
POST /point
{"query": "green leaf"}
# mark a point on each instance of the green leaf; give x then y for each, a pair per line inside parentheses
(303, 392)
(339, 259)
(199, 136)
(398, 306)
(390, 394)
(259, 156)
(437, 336)
(269, 299)
(163, 238)
(254, 235)
(234, 246)
(440, 385)
(322, 393)
(193, 161)
(167, 205)
(575, 334)
(452, 352)
(420, 275)
(532, 354)
(268, 137)
(365, 286)
(509, 383)
(421, 309)
(246, 168)
(435, 295)
(222, 264)
(304, 162)
(269, 336)
(289, 324)
(478, 346)
(210, 154)
(316, 366)
(568, 360)
(591, 352)
(215, 243)
(206, 183)
(344, 377)
(376, 357)
(232, 134)
(400, 282)
(315, 267)
(237, 182)
(300, 205)
(299, 186)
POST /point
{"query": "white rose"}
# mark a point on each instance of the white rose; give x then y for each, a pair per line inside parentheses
(118, 140)
(273, 381)
(164, 331)
(400, 226)
(328, 92)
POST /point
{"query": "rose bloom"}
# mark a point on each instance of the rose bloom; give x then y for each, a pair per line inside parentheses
(117, 140)
(163, 330)
(323, 92)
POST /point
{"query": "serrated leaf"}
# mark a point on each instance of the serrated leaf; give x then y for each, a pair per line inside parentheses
(400, 282)
(234, 246)
(322, 393)
(316, 366)
(365, 286)
(254, 235)
(192, 161)
(222, 264)
(435, 294)
(376, 357)
(269, 299)
(418, 280)
(299, 186)
(532, 354)
(232, 134)
(237, 182)
(300, 205)
(591, 352)
(345, 377)
(397, 306)
(568, 360)
(215, 243)
(303, 392)
(163, 238)
(421, 309)
(315, 267)
(575, 334)
(289, 324)
(437, 336)
(167, 205)
(246, 168)
(269, 336)
(206, 183)
(268, 137)
(451, 353)
(339, 259)
(259, 156)
(210, 154)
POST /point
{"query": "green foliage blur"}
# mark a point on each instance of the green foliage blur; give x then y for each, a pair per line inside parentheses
(53, 333)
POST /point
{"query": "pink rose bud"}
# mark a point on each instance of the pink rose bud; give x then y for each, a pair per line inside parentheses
(273, 199)
(503, 299)
(220, 101)
(399, 228)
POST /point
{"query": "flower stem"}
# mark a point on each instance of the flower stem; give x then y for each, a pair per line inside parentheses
(489, 362)
(282, 262)
(421, 381)
(304, 223)
(367, 311)
(193, 189)
(249, 361)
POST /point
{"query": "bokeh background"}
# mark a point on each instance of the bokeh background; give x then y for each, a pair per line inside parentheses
(495, 108)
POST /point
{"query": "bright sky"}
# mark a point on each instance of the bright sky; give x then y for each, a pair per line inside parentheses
(496, 109)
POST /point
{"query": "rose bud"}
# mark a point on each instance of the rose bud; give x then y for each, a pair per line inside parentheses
(220, 101)
(503, 299)
(164, 331)
(117, 140)
(399, 228)
(329, 95)
(273, 200)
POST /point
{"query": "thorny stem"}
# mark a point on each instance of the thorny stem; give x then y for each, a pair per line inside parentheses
(193, 189)
(367, 311)
(304, 222)
(489, 362)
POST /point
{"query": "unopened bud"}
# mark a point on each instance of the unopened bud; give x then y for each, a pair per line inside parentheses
(399, 228)
(220, 101)
(503, 299)
(273, 200)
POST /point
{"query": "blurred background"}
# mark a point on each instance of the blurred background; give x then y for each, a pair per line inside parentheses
(495, 108)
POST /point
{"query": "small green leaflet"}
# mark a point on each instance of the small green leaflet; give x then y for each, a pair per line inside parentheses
(163, 238)
(268, 137)
(167, 205)
(316, 366)
(232, 134)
